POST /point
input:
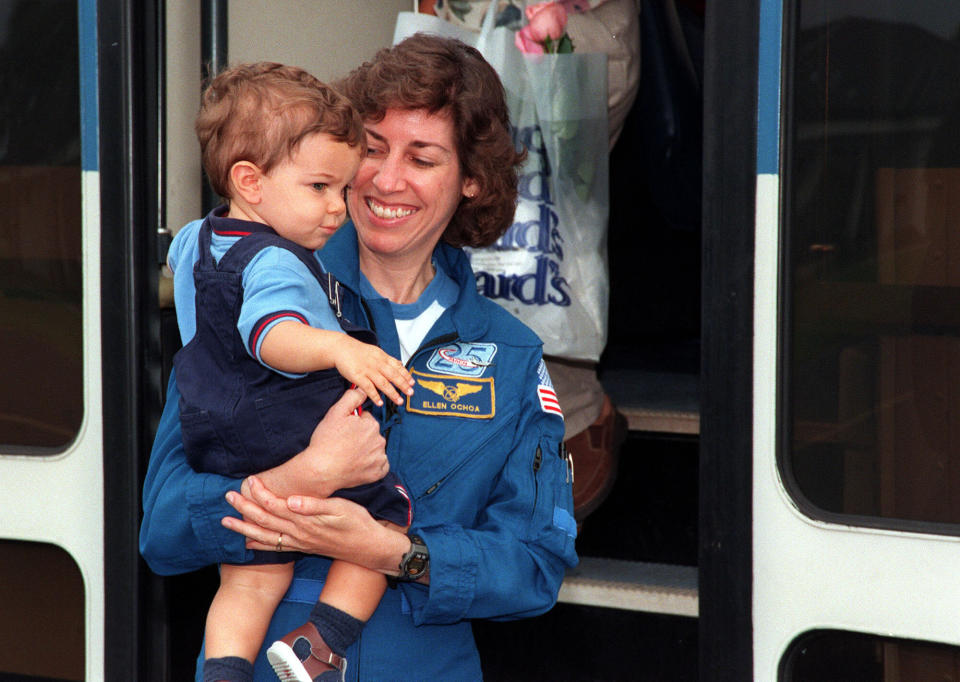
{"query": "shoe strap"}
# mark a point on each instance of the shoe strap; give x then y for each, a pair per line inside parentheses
(325, 654)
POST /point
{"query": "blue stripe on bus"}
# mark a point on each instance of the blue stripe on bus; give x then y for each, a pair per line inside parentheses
(89, 111)
(768, 86)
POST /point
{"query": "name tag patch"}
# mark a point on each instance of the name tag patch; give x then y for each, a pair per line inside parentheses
(447, 396)
(462, 359)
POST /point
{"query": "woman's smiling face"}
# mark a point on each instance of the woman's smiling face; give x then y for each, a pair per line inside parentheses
(408, 186)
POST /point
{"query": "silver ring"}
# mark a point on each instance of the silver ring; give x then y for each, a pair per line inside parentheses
(280, 542)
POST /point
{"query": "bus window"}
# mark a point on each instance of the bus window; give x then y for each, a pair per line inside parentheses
(40, 227)
(837, 655)
(42, 628)
(871, 366)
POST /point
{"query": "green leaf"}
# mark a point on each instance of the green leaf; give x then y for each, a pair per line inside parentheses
(548, 45)
(460, 8)
(565, 45)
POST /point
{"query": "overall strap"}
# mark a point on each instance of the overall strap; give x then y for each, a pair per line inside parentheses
(240, 254)
(204, 238)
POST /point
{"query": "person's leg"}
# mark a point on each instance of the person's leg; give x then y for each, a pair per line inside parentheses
(579, 392)
(349, 597)
(238, 617)
(353, 589)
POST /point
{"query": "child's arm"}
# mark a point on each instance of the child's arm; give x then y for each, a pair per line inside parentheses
(294, 347)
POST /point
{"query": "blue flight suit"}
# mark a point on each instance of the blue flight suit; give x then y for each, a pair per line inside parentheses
(479, 447)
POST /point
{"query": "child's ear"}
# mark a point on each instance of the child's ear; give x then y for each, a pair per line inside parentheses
(245, 178)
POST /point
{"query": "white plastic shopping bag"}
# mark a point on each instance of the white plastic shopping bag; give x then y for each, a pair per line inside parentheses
(550, 268)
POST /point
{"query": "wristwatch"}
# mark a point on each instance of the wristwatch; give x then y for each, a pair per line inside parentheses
(415, 562)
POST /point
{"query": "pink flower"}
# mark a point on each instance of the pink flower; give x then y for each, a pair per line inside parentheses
(525, 43)
(546, 20)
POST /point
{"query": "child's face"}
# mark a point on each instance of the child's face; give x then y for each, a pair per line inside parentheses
(303, 197)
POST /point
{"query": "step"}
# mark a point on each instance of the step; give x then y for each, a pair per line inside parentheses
(655, 401)
(640, 418)
(632, 586)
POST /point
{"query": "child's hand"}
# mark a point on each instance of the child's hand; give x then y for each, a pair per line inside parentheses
(373, 371)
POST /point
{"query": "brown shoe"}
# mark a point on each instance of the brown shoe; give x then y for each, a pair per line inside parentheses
(595, 452)
(302, 656)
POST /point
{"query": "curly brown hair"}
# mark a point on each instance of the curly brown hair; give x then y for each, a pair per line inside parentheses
(260, 113)
(445, 75)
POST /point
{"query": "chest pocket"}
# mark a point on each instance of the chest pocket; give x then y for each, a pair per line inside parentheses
(431, 450)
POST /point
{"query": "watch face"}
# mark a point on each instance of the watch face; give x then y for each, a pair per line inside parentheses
(416, 565)
(415, 562)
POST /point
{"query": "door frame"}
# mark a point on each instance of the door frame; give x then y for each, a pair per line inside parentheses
(727, 323)
(129, 123)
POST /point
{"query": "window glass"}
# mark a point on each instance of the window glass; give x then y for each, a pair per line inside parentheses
(42, 628)
(40, 227)
(872, 217)
(836, 655)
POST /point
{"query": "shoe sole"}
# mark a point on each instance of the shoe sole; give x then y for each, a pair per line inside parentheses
(286, 664)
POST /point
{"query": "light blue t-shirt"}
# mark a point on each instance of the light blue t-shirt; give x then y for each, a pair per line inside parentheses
(277, 286)
(414, 320)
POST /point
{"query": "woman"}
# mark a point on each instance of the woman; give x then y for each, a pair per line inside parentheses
(478, 445)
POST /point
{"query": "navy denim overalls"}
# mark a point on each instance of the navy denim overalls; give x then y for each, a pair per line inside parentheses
(239, 417)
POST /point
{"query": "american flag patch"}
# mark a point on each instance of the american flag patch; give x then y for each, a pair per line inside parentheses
(545, 392)
(548, 400)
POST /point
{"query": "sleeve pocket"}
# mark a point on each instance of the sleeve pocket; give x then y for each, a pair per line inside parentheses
(552, 524)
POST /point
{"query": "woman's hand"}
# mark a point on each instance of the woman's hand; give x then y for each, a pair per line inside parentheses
(333, 527)
(345, 450)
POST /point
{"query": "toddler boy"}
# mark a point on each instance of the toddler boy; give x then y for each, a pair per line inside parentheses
(266, 349)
